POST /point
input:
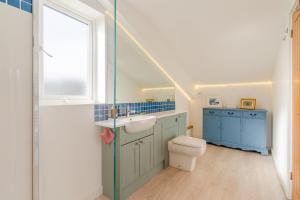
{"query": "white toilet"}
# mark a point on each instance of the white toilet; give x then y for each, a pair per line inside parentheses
(184, 151)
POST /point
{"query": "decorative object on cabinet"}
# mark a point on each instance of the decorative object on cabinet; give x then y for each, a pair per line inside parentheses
(214, 102)
(236, 128)
(248, 104)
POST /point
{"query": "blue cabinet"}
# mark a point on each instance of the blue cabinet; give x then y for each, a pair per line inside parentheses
(231, 131)
(254, 132)
(236, 128)
(212, 127)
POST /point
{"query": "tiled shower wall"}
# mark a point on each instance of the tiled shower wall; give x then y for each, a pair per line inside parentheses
(25, 5)
(102, 110)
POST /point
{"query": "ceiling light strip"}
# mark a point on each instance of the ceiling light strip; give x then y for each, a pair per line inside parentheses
(234, 84)
(157, 64)
(159, 88)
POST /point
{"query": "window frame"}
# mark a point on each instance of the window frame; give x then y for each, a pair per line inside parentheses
(91, 65)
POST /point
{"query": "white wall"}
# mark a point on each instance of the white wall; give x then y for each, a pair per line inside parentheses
(15, 104)
(282, 104)
(70, 153)
(182, 104)
(282, 115)
(159, 95)
(70, 148)
(231, 98)
(127, 89)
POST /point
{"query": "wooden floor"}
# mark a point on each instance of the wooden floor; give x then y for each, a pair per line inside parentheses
(221, 174)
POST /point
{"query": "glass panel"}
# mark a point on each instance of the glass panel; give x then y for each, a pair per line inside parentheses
(138, 78)
(143, 92)
(66, 42)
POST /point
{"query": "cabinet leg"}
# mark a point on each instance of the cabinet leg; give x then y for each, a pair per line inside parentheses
(264, 152)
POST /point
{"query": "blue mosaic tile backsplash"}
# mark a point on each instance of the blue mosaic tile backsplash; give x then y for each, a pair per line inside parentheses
(102, 110)
(25, 5)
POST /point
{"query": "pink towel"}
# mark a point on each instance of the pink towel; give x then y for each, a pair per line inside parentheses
(107, 136)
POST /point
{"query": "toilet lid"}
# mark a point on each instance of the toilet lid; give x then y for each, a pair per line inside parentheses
(188, 141)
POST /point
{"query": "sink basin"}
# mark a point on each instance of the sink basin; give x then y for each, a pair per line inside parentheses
(139, 123)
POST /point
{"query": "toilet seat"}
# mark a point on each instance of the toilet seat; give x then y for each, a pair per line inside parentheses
(188, 141)
(187, 145)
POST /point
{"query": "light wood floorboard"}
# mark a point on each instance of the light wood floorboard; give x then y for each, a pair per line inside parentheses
(221, 174)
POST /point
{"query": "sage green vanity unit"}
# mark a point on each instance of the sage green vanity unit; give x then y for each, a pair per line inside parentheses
(139, 156)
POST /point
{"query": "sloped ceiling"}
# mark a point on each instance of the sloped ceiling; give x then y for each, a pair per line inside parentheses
(135, 65)
(210, 42)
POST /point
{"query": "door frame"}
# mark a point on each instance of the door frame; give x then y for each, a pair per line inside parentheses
(295, 8)
(36, 5)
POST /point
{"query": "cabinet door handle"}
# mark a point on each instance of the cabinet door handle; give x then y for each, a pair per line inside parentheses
(136, 143)
(176, 119)
(141, 142)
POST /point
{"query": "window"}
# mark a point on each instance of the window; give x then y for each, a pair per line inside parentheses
(67, 46)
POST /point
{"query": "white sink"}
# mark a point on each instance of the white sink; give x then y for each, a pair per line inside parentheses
(139, 123)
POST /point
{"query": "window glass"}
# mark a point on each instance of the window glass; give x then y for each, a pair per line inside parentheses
(66, 44)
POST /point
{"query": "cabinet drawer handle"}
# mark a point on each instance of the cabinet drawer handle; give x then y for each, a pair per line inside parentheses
(253, 114)
(230, 113)
(136, 143)
(211, 112)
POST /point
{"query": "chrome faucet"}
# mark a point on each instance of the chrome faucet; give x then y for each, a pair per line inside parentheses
(128, 111)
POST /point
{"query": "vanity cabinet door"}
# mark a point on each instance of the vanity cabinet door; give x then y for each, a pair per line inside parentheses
(170, 131)
(182, 124)
(146, 154)
(130, 163)
(158, 143)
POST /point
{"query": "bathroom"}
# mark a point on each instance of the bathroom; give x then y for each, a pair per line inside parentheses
(110, 100)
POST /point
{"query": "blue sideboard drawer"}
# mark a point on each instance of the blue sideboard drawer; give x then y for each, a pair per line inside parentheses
(231, 113)
(254, 114)
(212, 112)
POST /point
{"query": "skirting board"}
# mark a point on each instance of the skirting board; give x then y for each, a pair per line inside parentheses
(285, 189)
(95, 194)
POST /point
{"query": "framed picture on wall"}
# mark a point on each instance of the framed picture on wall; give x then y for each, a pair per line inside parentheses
(214, 102)
(249, 104)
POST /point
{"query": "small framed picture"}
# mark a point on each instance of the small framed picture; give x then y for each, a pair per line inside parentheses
(215, 102)
(249, 104)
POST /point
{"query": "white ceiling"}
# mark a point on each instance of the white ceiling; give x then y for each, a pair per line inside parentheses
(208, 42)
